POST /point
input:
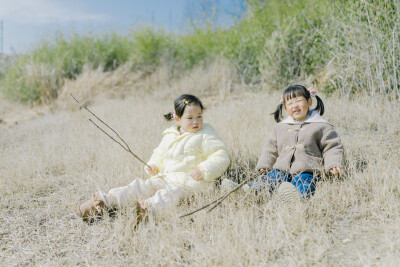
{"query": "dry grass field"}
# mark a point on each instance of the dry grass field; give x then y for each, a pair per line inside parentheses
(52, 159)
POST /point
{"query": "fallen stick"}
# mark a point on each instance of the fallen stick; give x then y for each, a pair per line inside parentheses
(219, 200)
(192, 212)
(233, 190)
(125, 146)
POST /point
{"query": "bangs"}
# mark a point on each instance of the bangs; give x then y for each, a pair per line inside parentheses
(295, 91)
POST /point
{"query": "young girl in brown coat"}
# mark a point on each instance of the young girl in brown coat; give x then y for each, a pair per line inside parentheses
(299, 148)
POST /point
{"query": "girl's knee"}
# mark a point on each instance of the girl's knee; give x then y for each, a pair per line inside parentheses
(305, 190)
(270, 182)
(305, 184)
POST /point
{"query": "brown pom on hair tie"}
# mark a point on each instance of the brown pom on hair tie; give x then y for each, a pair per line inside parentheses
(185, 102)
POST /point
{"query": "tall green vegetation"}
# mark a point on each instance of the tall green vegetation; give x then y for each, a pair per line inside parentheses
(339, 46)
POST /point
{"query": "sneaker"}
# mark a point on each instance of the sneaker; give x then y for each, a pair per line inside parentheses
(142, 214)
(289, 195)
(228, 185)
(92, 207)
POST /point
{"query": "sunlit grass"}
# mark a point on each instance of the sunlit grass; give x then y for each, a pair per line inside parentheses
(53, 162)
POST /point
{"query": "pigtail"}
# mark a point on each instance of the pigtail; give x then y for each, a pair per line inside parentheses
(320, 106)
(278, 113)
(169, 116)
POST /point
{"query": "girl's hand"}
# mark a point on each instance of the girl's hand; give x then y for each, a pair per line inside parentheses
(153, 170)
(196, 174)
(336, 170)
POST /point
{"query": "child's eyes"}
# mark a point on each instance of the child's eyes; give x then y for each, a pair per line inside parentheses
(296, 101)
(189, 118)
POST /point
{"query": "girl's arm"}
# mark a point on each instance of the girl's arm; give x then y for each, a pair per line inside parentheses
(157, 158)
(332, 149)
(269, 153)
(216, 158)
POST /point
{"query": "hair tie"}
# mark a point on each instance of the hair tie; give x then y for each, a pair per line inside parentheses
(185, 102)
(312, 91)
(281, 99)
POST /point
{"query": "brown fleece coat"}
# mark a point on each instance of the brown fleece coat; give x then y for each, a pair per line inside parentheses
(307, 146)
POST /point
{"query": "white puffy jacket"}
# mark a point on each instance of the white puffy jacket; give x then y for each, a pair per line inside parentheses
(178, 153)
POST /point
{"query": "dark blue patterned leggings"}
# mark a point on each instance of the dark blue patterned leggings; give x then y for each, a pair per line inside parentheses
(304, 182)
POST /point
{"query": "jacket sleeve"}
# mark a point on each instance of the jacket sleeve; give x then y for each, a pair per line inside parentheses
(332, 149)
(157, 158)
(216, 158)
(269, 152)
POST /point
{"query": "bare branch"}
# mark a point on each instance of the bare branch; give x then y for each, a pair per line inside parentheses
(219, 200)
(125, 146)
(98, 127)
(202, 208)
(100, 120)
(126, 149)
(233, 190)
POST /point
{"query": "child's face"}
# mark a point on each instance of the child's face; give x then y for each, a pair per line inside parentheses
(297, 107)
(192, 119)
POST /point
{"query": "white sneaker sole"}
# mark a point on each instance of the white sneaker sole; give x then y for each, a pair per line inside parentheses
(288, 194)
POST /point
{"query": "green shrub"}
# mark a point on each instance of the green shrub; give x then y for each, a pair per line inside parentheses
(149, 47)
(31, 82)
(344, 46)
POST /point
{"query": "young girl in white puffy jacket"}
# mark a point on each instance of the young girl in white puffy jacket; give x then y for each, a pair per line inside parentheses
(190, 157)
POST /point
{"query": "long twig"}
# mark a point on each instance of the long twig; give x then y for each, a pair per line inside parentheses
(202, 208)
(219, 200)
(233, 190)
(125, 146)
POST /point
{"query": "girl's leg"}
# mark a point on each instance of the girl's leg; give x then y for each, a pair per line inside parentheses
(165, 198)
(130, 194)
(271, 181)
(305, 183)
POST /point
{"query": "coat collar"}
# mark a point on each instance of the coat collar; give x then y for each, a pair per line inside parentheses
(313, 116)
(174, 129)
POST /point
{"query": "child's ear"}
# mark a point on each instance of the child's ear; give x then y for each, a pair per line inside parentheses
(309, 102)
(177, 119)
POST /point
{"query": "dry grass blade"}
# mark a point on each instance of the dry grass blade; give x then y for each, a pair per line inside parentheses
(126, 147)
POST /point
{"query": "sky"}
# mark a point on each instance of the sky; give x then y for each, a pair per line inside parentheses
(26, 22)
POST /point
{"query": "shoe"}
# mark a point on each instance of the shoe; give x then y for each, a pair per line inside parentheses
(289, 195)
(141, 214)
(228, 185)
(92, 207)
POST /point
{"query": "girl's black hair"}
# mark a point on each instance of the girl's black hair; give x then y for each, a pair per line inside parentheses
(180, 104)
(294, 91)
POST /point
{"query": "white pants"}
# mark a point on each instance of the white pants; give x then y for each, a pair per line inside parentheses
(156, 192)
